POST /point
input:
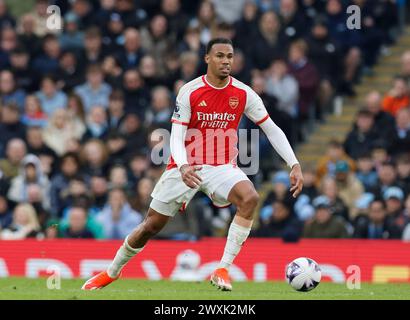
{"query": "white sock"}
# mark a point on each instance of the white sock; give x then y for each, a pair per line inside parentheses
(124, 254)
(236, 237)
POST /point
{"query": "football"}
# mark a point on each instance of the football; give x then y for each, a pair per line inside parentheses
(303, 274)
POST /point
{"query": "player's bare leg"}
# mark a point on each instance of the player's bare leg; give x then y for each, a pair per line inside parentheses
(244, 196)
(133, 243)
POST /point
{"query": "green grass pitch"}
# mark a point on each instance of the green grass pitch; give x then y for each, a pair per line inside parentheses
(127, 289)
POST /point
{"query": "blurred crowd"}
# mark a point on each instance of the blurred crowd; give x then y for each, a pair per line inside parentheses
(80, 107)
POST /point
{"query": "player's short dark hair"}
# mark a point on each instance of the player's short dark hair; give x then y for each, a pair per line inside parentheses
(217, 41)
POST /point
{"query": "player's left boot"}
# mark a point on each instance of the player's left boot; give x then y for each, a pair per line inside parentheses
(221, 279)
(99, 281)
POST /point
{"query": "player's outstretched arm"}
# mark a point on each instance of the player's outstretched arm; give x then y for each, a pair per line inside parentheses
(178, 152)
(282, 146)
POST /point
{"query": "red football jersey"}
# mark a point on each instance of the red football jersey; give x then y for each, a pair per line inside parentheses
(212, 116)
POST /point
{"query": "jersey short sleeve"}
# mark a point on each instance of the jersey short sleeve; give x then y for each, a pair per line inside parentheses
(182, 111)
(255, 109)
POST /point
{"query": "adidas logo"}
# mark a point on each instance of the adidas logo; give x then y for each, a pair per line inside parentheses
(202, 104)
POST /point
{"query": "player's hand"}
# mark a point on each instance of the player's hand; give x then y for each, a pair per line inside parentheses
(296, 180)
(189, 175)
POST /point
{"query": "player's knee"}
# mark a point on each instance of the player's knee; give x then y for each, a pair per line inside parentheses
(151, 229)
(250, 201)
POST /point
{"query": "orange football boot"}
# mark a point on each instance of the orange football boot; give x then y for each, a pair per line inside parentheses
(99, 281)
(221, 279)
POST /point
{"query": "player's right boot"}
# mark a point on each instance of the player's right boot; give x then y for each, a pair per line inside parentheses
(221, 279)
(99, 281)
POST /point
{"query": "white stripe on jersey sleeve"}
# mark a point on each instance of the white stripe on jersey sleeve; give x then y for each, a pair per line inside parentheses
(254, 107)
(182, 112)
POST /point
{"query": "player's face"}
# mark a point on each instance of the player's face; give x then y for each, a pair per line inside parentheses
(220, 60)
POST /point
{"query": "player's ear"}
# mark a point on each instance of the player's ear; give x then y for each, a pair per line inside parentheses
(206, 58)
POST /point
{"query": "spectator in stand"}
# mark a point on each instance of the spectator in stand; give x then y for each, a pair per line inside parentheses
(97, 124)
(94, 91)
(394, 197)
(30, 173)
(189, 66)
(24, 224)
(161, 108)
(8, 43)
(138, 165)
(136, 97)
(177, 19)
(284, 87)
(117, 147)
(51, 98)
(116, 112)
(293, 21)
(93, 52)
(94, 157)
(20, 66)
(112, 71)
(41, 17)
(338, 208)
(398, 97)
(247, 26)
(403, 172)
(83, 9)
(9, 93)
(36, 146)
(99, 190)
(400, 139)
(77, 225)
(143, 198)
(33, 113)
(132, 15)
(362, 137)
(327, 163)
(148, 70)
(206, 21)
(6, 19)
(135, 134)
(6, 215)
(76, 113)
(71, 38)
(240, 67)
(405, 66)
(156, 40)
(59, 131)
(118, 178)
(406, 212)
(350, 188)
(366, 172)
(278, 221)
(324, 224)
(309, 185)
(69, 73)
(376, 225)
(15, 152)
(69, 167)
(10, 126)
(382, 119)
(192, 42)
(48, 61)
(387, 178)
(349, 42)
(325, 54)
(268, 43)
(117, 217)
(132, 52)
(26, 34)
(308, 80)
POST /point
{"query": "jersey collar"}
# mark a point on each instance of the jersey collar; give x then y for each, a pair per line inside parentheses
(207, 83)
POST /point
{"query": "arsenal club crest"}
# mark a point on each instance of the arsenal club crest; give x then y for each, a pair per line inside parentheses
(233, 102)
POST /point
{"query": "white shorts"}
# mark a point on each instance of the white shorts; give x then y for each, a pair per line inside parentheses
(171, 194)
